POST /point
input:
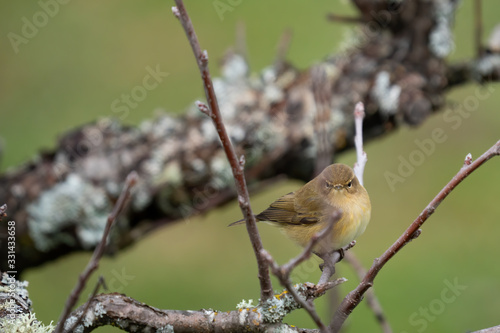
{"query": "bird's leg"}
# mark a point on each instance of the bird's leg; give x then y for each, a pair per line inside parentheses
(328, 265)
(341, 254)
(329, 261)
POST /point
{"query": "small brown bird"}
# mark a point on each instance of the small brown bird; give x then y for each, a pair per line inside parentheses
(303, 213)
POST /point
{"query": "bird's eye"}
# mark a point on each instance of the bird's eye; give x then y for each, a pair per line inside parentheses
(349, 185)
(328, 185)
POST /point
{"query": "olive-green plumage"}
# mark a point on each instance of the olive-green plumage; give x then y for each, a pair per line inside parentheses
(305, 212)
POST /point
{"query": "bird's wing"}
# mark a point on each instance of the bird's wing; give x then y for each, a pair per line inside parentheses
(280, 211)
(310, 206)
(287, 210)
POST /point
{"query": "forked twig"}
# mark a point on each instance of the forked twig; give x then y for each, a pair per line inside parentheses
(100, 282)
(371, 299)
(98, 252)
(212, 110)
(283, 272)
(355, 296)
(306, 253)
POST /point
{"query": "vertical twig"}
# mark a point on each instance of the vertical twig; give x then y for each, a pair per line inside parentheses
(355, 296)
(478, 28)
(282, 50)
(241, 40)
(322, 95)
(98, 252)
(359, 166)
(213, 111)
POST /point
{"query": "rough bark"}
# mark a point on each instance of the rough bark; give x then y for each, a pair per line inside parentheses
(395, 66)
(133, 316)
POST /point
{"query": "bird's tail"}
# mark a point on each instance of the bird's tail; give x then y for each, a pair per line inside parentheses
(242, 221)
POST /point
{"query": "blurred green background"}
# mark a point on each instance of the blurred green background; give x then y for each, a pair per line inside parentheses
(89, 53)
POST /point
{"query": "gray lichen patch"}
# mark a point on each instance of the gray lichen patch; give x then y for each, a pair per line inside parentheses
(165, 329)
(25, 323)
(385, 93)
(487, 65)
(16, 315)
(9, 287)
(276, 308)
(441, 41)
(73, 200)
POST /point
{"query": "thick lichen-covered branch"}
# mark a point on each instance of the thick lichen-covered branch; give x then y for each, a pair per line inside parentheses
(132, 316)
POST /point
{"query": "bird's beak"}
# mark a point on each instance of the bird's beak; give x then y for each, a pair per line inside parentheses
(337, 187)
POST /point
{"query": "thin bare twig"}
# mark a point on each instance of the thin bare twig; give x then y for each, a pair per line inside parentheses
(478, 28)
(241, 40)
(285, 281)
(100, 282)
(282, 50)
(343, 19)
(359, 166)
(283, 272)
(332, 258)
(371, 299)
(98, 252)
(355, 296)
(494, 41)
(213, 111)
(306, 253)
(322, 96)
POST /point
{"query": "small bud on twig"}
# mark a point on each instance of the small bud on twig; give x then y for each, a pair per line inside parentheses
(468, 160)
(350, 245)
(359, 110)
(242, 161)
(176, 12)
(203, 108)
(415, 234)
(3, 209)
(204, 57)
